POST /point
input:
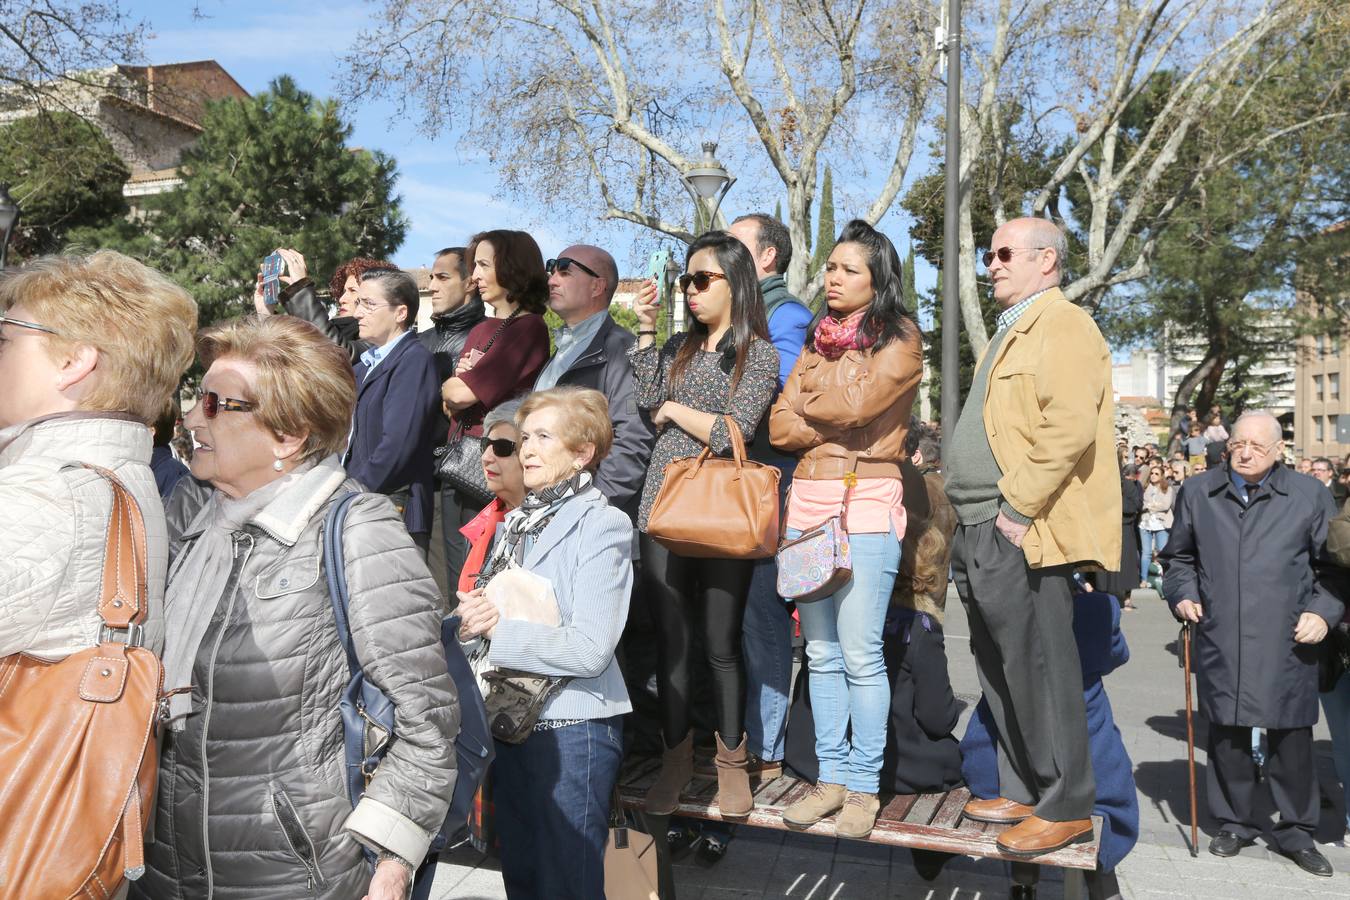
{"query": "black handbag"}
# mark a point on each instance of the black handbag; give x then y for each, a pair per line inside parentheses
(515, 701)
(459, 464)
(1334, 660)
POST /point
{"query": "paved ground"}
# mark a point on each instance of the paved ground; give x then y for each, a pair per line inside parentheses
(1147, 698)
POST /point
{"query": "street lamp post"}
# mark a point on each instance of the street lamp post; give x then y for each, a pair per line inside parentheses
(708, 181)
(9, 220)
(668, 292)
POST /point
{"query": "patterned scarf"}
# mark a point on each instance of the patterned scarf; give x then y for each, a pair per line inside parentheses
(529, 519)
(834, 337)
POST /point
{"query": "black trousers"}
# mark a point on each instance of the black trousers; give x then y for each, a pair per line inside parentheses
(1021, 632)
(1230, 783)
(684, 593)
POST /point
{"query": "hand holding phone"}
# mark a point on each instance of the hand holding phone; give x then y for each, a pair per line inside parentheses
(272, 267)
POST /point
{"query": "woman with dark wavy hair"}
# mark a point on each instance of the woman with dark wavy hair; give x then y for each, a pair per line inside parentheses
(725, 365)
(845, 411)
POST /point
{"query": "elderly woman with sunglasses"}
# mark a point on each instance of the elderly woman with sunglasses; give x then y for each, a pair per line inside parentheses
(91, 351)
(506, 480)
(552, 790)
(252, 796)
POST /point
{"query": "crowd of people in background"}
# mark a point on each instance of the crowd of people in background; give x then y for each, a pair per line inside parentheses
(509, 474)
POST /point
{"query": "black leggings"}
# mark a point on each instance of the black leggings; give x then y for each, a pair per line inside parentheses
(682, 590)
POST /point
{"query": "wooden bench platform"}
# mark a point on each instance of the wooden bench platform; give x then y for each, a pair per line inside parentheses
(922, 821)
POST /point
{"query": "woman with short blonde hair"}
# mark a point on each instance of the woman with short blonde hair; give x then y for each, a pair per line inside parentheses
(250, 626)
(584, 420)
(91, 350)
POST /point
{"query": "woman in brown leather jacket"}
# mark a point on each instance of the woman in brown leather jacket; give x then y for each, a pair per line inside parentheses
(845, 411)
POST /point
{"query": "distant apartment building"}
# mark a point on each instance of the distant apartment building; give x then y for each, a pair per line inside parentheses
(150, 114)
(1322, 426)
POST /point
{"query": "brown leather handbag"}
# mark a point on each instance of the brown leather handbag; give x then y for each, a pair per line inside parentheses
(77, 738)
(713, 507)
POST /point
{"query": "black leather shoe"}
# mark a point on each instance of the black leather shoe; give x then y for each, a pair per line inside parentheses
(1311, 861)
(1227, 844)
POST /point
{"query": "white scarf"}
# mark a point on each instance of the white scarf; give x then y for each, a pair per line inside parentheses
(198, 586)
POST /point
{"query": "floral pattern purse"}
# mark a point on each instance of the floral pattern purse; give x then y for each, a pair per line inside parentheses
(817, 563)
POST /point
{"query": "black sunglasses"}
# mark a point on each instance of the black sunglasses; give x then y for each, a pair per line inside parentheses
(700, 280)
(501, 447)
(213, 404)
(563, 263)
(1005, 254)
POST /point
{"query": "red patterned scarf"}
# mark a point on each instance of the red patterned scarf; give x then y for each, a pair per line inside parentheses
(834, 337)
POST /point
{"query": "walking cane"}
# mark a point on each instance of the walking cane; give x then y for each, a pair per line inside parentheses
(1190, 736)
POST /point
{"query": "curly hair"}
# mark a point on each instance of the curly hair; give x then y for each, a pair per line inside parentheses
(354, 268)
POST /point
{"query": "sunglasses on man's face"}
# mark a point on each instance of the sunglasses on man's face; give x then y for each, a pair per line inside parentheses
(500, 447)
(700, 280)
(563, 263)
(213, 404)
(1005, 254)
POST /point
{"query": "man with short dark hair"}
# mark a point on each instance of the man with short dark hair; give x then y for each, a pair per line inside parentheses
(1246, 561)
(455, 310)
(398, 394)
(766, 634)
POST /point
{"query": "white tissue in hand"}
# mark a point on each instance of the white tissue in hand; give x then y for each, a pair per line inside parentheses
(523, 595)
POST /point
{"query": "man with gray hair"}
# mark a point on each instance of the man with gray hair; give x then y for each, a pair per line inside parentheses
(1246, 563)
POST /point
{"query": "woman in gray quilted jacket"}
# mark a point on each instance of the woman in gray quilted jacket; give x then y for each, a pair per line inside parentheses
(252, 796)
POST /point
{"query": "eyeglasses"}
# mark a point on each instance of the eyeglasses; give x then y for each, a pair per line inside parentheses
(501, 447)
(213, 404)
(1005, 254)
(700, 280)
(371, 305)
(563, 263)
(6, 320)
(1253, 446)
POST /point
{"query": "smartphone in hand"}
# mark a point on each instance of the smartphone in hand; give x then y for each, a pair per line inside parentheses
(272, 267)
(656, 271)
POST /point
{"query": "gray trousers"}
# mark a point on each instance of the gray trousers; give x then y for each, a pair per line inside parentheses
(1021, 632)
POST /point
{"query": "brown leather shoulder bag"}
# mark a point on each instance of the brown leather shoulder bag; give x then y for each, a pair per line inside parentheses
(713, 507)
(77, 738)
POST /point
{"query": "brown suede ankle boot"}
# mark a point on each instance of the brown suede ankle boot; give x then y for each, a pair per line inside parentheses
(677, 769)
(733, 781)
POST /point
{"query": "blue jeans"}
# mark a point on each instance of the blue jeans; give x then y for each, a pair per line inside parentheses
(1148, 542)
(766, 646)
(1336, 705)
(848, 670)
(552, 796)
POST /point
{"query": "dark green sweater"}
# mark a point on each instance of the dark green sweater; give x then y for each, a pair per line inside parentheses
(972, 471)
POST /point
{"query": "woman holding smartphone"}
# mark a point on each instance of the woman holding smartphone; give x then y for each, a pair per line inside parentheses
(845, 410)
(724, 365)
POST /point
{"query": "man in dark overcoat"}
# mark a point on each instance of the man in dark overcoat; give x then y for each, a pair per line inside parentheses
(1246, 563)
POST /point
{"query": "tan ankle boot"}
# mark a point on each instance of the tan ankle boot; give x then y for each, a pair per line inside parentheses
(858, 816)
(824, 800)
(733, 781)
(677, 769)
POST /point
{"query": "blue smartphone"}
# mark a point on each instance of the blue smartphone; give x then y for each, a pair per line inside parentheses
(656, 270)
(272, 267)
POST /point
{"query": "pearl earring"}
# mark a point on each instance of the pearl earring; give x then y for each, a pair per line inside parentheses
(277, 464)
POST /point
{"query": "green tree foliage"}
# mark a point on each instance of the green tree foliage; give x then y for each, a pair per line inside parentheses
(272, 171)
(64, 174)
(825, 230)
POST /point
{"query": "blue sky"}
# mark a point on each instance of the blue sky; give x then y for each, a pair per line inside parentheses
(448, 193)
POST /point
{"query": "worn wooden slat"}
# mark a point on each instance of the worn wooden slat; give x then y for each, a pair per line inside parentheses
(949, 811)
(921, 813)
(897, 808)
(928, 821)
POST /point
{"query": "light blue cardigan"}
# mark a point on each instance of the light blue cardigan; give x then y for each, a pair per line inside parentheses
(586, 552)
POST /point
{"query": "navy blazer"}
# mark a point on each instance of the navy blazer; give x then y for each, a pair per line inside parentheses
(394, 429)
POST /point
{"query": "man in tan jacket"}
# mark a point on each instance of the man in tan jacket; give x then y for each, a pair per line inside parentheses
(1032, 474)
